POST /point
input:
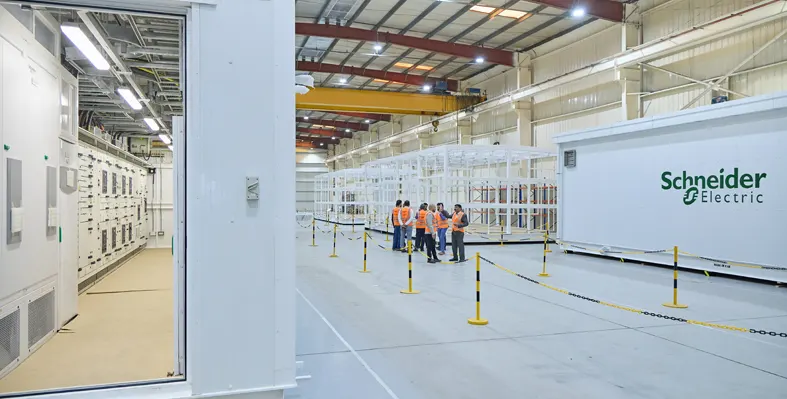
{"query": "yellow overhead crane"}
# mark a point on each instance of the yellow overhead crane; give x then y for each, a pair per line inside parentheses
(382, 102)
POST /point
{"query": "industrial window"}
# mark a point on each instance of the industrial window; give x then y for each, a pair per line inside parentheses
(124, 185)
(103, 181)
(114, 183)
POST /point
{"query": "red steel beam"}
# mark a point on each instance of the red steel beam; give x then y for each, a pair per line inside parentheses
(493, 56)
(305, 144)
(604, 9)
(336, 124)
(324, 132)
(394, 77)
(365, 115)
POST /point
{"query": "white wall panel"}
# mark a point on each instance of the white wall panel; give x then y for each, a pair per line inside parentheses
(580, 54)
(545, 131)
(411, 145)
(591, 98)
(500, 84)
(672, 101)
(684, 14)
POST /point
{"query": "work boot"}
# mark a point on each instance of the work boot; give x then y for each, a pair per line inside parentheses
(453, 260)
(430, 260)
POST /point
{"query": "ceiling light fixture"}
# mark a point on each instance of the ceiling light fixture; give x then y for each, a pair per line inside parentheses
(578, 12)
(378, 47)
(152, 124)
(343, 80)
(347, 130)
(427, 88)
(367, 121)
(130, 98)
(165, 138)
(306, 118)
(88, 49)
(479, 60)
(170, 148)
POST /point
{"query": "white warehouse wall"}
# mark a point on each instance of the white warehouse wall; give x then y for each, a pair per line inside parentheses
(308, 164)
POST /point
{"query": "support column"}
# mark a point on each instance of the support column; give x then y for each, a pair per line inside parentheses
(524, 108)
(465, 130)
(424, 140)
(630, 78)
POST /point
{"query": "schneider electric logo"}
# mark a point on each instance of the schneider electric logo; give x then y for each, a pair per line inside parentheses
(723, 187)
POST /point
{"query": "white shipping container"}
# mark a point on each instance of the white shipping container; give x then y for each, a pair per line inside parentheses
(710, 180)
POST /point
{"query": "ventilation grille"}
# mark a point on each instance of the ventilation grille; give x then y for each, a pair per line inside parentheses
(9, 339)
(570, 158)
(40, 318)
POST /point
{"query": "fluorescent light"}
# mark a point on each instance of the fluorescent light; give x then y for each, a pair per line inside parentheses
(427, 88)
(483, 9)
(578, 12)
(165, 138)
(513, 14)
(479, 60)
(367, 121)
(130, 98)
(88, 49)
(378, 47)
(306, 118)
(152, 124)
(170, 148)
(343, 80)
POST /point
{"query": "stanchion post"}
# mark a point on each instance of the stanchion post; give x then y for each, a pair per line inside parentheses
(675, 303)
(547, 226)
(314, 232)
(386, 229)
(364, 254)
(353, 222)
(501, 234)
(333, 255)
(409, 289)
(478, 321)
(544, 267)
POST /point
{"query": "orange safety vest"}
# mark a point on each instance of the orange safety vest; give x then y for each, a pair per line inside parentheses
(457, 219)
(405, 215)
(434, 223)
(420, 222)
(442, 223)
(396, 211)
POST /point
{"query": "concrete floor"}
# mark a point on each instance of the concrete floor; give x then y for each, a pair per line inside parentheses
(124, 332)
(539, 343)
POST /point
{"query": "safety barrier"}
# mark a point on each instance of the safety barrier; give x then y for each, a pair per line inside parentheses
(364, 254)
(636, 310)
(409, 289)
(478, 320)
(333, 255)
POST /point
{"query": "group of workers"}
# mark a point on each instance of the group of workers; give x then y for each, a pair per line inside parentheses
(431, 224)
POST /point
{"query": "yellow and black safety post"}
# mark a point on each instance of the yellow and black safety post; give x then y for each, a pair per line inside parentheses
(478, 321)
(353, 222)
(501, 234)
(314, 232)
(548, 250)
(675, 303)
(333, 255)
(364, 254)
(409, 289)
(386, 228)
(544, 267)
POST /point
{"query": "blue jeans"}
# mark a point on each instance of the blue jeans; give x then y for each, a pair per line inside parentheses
(397, 238)
(441, 236)
(407, 234)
